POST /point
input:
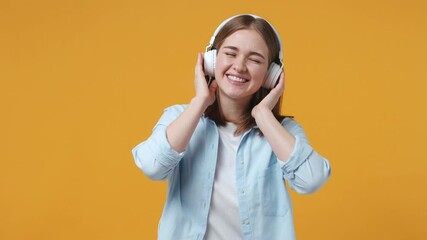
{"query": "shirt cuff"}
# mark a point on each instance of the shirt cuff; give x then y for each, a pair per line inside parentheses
(300, 153)
(167, 155)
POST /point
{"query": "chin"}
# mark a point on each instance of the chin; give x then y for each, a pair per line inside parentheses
(237, 95)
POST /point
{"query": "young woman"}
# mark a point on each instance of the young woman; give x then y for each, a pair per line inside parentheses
(226, 155)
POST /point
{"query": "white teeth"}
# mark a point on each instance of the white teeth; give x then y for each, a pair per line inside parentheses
(237, 79)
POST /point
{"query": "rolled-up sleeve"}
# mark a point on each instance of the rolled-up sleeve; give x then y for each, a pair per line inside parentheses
(155, 157)
(305, 170)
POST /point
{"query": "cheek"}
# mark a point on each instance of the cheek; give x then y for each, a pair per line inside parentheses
(220, 61)
(220, 66)
(259, 73)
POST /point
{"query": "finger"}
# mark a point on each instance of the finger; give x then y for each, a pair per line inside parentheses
(283, 78)
(213, 86)
(277, 91)
(281, 84)
(198, 68)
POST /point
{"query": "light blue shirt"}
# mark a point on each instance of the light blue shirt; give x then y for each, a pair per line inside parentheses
(264, 202)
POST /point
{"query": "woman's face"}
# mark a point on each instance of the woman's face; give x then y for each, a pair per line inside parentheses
(241, 65)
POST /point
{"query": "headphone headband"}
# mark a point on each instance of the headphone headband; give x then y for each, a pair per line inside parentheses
(209, 47)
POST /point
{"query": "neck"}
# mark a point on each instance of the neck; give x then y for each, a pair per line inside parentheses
(233, 110)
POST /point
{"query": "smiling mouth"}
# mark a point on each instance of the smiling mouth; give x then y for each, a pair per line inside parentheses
(236, 79)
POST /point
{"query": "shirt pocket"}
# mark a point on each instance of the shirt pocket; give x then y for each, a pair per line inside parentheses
(273, 196)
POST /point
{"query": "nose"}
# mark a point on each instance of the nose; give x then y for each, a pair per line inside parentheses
(239, 64)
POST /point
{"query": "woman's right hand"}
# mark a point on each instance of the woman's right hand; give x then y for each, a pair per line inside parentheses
(204, 93)
(179, 132)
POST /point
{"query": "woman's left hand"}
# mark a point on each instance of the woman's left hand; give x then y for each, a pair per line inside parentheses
(272, 97)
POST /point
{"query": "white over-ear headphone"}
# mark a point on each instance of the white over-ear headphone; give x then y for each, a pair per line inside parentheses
(274, 70)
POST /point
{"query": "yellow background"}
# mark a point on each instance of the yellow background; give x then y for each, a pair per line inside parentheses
(83, 82)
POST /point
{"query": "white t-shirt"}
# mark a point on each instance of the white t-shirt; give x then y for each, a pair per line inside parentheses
(224, 219)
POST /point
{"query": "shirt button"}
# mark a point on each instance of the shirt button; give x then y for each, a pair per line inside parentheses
(241, 161)
(243, 191)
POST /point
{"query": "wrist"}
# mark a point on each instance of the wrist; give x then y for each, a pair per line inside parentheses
(259, 111)
(199, 103)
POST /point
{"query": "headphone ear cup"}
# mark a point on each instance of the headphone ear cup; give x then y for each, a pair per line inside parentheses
(272, 76)
(209, 60)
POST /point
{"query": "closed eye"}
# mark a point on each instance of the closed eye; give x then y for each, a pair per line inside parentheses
(255, 60)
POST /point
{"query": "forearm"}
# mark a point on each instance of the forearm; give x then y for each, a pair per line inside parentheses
(179, 132)
(280, 139)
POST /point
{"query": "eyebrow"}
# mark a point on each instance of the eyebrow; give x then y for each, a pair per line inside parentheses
(250, 53)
